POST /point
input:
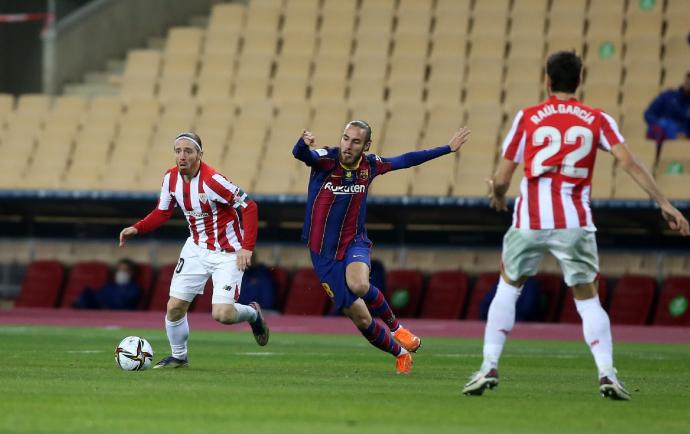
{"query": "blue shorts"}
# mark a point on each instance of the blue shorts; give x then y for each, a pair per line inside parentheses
(331, 273)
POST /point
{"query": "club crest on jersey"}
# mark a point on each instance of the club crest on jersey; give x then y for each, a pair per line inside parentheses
(203, 198)
(345, 189)
(364, 173)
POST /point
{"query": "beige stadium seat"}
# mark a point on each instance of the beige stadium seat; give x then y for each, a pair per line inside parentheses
(366, 89)
(524, 69)
(484, 71)
(301, 43)
(328, 121)
(447, 68)
(601, 95)
(104, 107)
(277, 181)
(335, 44)
(222, 45)
(260, 42)
(434, 177)
(392, 184)
(674, 152)
(612, 7)
(68, 107)
(300, 19)
(602, 177)
(373, 6)
(143, 110)
(677, 47)
(250, 89)
(293, 66)
(527, 46)
(326, 89)
(485, 117)
(406, 68)
(675, 71)
(641, 47)
(417, 22)
(338, 19)
(376, 23)
(639, 93)
(605, 71)
(643, 23)
(226, 17)
(410, 45)
(568, 23)
(255, 65)
(672, 265)
(374, 113)
(417, 259)
(618, 264)
(605, 25)
(142, 63)
(373, 44)
(625, 188)
(486, 45)
(487, 260)
(263, 15)
(522, 93)
(294, 257)
(134, 88)
(675, 186)
(444, 120)
(179, 66)
(33, 104)
(677, 24)
(481, 93)
(174, 88)
(445, 45)
(369, 66)
(643, 72)
(335, 67)
(184, 40)
(443, 91)
(213, 87)
(452, 17)
(6, 106)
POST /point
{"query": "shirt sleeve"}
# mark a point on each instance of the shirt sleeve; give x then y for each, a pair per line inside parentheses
(408, 159)
(609, 135)
(310, 157)
(226, 192)
(513, 147)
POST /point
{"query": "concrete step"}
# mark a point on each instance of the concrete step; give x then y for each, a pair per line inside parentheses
(115, 66)
(156, 43)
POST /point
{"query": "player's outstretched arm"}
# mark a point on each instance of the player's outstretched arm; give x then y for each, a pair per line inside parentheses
(416, 158)
(643, 178)
(127, 233)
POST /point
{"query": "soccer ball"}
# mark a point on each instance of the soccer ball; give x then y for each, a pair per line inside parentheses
(133, 354)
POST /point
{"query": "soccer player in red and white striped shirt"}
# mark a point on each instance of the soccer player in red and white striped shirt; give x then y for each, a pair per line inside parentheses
(220, 245)
(557, 140)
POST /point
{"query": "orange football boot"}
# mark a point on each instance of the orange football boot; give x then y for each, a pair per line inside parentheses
(407, 340)
(403, 363)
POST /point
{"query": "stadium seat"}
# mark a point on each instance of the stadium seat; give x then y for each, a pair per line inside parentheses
(482, 286)
(145, 282)
(404, 292)
(551, 288)
(445, 295)
(306, 295)
(161, 290)
(672, 306)
(42, 284)
(569, 311)
(90, 274)
(631, 300)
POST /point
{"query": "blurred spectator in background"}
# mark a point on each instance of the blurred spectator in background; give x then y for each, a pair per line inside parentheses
(668, 116)
(258, 286)
(377, 275)
(122, 293)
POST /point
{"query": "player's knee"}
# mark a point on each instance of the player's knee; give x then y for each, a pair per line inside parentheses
(224, 314)
(358, 287)
(175, 311)
(362, 323)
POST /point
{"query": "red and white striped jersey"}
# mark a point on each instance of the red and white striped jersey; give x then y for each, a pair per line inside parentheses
(557, 140)
(212, 206)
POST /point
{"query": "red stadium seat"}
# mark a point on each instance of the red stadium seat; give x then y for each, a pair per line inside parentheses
(280, 278)
(569, 311)
(145, 282)
(202, 303)
(41, 285)
(631, 300)
(161, 290)
(445, 295)
(399, 283)
(91, 274)
(306, 295)
(551, 288)
(672, 308)
(483, 285)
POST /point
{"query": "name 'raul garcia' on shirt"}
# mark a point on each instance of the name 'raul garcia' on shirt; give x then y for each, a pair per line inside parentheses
(565, 109)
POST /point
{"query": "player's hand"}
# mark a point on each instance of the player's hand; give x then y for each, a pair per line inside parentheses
(308, 138)
(244, 259)
(675, 219)
(496, 202)
(459, 138)
(127, 233)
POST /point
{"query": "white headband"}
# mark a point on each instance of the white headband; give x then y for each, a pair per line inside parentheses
(191, 139)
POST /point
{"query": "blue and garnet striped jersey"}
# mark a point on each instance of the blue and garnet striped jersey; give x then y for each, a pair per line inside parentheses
(336, 199)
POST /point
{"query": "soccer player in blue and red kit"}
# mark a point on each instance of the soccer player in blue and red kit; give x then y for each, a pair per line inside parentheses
(335, 233)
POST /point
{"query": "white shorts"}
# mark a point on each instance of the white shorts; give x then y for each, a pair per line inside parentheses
(196, 265)
(574, 248)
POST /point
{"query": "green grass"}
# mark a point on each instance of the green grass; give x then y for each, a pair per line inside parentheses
(64, 380)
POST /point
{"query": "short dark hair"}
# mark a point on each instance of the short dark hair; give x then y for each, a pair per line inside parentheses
(363, 125)
(193, 137)
(564, 68)
(133, 267)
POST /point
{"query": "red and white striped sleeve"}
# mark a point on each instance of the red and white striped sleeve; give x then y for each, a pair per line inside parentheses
(609, 134)
(514, 142)
(163, 210)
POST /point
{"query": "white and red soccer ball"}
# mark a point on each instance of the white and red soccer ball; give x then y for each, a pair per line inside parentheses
(133, 354)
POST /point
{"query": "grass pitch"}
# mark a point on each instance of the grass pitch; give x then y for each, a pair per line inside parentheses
(64, 380)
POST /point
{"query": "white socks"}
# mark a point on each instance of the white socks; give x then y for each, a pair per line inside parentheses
(499, 323)
(597, 331)
(245, 313)
(178, 332)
